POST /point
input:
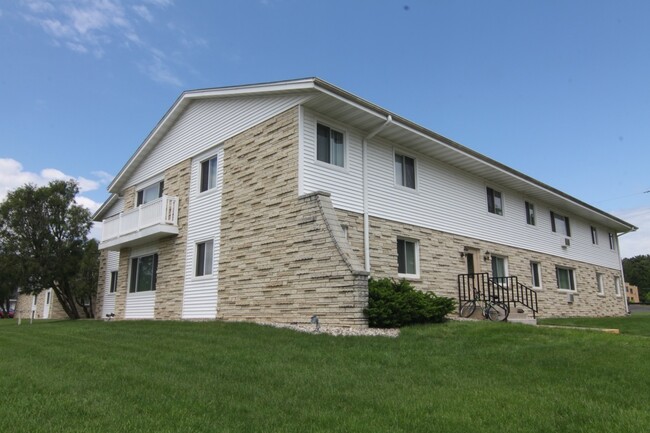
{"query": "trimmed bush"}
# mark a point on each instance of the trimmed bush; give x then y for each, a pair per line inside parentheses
(393, 304)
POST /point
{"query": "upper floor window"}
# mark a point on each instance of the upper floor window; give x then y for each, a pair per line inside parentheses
(404, 171)
(612, 241)
(113, 286)
(204, 255)
(560, 224)
(594, 235)
(150, 193)
(208, 174)
(143, 273)
(530, 213)
(565, 279)
(407, 257)
(494, 201)
(330, 147)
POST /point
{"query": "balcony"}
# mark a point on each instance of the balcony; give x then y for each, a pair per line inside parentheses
(146, 223)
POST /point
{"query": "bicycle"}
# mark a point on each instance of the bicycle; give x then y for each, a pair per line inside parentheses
(492, 309)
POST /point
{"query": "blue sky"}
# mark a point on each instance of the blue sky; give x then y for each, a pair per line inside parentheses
(557, 89)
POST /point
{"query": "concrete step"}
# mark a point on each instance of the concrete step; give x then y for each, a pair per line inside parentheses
(521, 315)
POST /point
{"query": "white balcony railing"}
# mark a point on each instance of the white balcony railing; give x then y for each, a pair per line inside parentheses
(163, 210)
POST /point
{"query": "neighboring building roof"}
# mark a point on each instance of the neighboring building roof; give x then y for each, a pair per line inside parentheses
(351, 109)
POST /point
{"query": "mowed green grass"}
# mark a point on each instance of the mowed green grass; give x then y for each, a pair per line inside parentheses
(635, 324)
(92, 376)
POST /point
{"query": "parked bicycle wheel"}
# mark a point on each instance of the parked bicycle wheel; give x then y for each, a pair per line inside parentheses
(498, 312)
(468, 308)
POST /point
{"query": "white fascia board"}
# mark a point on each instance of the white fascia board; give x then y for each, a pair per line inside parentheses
(106, 205)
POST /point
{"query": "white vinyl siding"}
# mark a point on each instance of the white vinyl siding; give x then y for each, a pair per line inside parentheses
(447, 199)
(204, 223)
(206, 123)
(112, 265)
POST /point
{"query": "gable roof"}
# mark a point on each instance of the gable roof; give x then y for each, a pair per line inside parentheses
(351, 109)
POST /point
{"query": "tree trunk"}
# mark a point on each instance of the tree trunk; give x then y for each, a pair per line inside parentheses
(66, 301)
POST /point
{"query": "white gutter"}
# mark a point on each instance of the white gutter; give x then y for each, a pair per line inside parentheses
(366, 217)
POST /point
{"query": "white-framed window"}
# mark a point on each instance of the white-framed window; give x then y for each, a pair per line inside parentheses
(499, 269)
(600, 280)
(150, 193)
(565, 278)
(494, 201)
(594, 235)
(612, 241)
(617, 285)
(530, 214)
(408, 257)
(536, 275)
(560, 224)
(404, 171)
(113, 287)
(208, 174)
(345, 229)
(330, 145)
(204, 254)
(143, 273)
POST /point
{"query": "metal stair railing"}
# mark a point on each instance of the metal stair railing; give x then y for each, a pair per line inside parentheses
(506, 289)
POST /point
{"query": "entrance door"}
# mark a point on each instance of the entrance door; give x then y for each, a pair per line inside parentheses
(473, 266)
(46, 305)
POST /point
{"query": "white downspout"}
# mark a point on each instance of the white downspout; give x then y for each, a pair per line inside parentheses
(620, 263)
(366, 218)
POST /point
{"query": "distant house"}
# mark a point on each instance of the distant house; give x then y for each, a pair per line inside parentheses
(276, 201)
(41, 306)
(632, 293)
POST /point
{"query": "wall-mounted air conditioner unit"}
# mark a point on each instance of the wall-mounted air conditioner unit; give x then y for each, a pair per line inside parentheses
(569, 298)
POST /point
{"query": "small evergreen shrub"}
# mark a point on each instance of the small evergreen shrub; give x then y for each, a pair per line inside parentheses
(393, 304)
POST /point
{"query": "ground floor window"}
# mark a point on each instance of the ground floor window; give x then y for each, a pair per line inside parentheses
(113, 286)
(407, 257)
(617, 285)
(565, 279)
(143, 273)
(536, 274)
(499, 269)
(204, 258)
(601, 283)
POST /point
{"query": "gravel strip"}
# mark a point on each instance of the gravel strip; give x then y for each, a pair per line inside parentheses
(331, 330)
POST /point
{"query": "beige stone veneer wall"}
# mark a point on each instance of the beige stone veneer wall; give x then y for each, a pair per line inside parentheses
(283, 258)
(170, 277)
(24, 307)
(101, 285)
(440, 263)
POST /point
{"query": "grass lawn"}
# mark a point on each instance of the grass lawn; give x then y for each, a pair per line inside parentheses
(96, 376)
(636, 324)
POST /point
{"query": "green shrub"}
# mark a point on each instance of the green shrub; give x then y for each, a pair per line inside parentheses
(393, 304)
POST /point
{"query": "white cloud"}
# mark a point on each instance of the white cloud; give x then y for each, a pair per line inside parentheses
(638, 242)
(104, 178)
(91, 26)
(144, 13)
(158, 71)
(13, 175)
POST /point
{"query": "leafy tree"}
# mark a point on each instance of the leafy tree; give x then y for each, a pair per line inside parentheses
(84, 283)
(8, 278)
(45, 232)
(637, 272)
